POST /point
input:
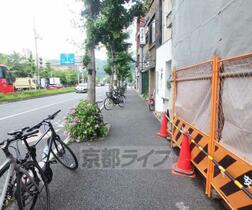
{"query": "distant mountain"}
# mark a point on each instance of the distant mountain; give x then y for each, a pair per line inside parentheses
(99, 63)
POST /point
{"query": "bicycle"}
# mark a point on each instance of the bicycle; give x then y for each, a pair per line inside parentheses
(41, 171)
(25, 183)
(54, 147)
(114, 98)
(151, 102)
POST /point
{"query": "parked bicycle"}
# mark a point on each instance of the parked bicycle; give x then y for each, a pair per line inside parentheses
(114, 98)
(54, 147)
(151, 102)
(26, 177)
(23, 182)
(122, 90)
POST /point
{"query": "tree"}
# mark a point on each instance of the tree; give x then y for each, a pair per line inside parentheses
(111, 32)
(106, 22)
(3, 59)
(92, 8)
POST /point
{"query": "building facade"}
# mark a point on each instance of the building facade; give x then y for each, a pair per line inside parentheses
(146, 54)
(164, 60)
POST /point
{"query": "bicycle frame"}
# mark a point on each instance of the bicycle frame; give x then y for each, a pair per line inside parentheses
(50, 141)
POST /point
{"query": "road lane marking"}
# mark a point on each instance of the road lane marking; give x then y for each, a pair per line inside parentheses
(36, 109)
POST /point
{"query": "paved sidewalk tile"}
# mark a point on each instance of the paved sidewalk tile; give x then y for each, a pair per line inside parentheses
(143, 189)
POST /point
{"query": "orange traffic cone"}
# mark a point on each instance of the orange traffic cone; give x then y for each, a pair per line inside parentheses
(183, 166)
(163, 130)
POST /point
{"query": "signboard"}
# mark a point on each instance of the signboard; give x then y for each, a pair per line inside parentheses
(67, 59)
(142, 36)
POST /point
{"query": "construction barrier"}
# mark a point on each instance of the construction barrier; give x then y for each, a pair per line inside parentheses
(212, 102)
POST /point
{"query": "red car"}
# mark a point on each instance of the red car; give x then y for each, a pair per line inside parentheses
(53, 87)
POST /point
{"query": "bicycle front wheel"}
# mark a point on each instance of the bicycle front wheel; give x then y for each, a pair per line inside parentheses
(108, 103)
(32, 189)
(64, 154)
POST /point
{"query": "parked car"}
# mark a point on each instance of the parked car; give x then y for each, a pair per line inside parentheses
(81, 88)
(54, 86)
(24, 83)
(100, 84)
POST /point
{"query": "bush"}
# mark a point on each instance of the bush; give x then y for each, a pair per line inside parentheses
(85, 122)
(17, 96)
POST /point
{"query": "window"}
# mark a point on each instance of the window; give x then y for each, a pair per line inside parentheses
(3, 71)
(168, 20)
(152, 33)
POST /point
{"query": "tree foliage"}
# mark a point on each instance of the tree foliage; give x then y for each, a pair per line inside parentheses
(107, 25)
(22, 66)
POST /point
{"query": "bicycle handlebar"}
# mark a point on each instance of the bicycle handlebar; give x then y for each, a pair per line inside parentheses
(19, 137)
(50, 117)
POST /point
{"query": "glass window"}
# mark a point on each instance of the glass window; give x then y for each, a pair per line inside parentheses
(152, 31)
(3, 71)
(153, 37)
(168, 20)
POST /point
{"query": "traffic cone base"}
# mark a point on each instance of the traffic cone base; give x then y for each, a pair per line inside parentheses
(163, 130)
(164, 135)
(184, 175)
(179, 172)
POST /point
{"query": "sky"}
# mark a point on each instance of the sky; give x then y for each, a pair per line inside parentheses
(54, 21)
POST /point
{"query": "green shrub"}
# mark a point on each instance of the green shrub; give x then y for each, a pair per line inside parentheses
(145, 96)
(17, 96)
(85, 122)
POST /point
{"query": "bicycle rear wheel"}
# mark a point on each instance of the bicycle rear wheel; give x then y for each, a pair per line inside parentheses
(64, 154)
(32, 191)
(108, 103)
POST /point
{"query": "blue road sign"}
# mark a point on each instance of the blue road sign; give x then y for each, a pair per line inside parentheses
(67, 59)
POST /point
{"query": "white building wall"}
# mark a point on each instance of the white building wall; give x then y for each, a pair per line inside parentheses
(163, 72)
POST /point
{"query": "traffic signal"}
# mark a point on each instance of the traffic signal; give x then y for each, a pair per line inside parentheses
(40, 62)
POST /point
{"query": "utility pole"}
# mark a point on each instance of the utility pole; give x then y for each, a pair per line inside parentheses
(142, 42)
(77, 72)
(36, 37)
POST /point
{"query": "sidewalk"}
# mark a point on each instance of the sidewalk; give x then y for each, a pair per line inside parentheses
(144, 189)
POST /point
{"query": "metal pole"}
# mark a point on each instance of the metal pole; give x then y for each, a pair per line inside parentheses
(82, 75)
(36, 51)
(36, 55)
(141, 69)
(214, 107)
(174, 95)
(78, 75)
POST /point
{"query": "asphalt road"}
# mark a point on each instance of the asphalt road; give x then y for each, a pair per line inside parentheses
(16, 115)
